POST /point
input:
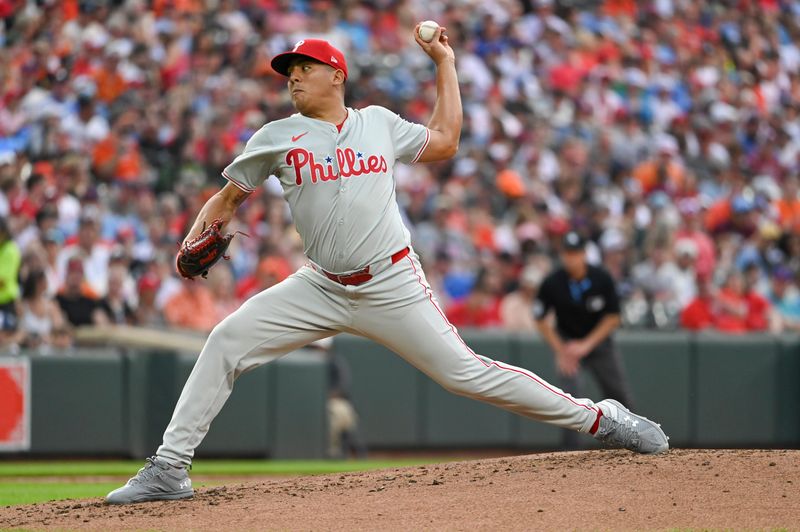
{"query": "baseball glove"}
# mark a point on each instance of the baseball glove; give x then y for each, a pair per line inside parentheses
(198, 255)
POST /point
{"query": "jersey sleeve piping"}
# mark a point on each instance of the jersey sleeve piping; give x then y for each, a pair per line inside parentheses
(237, 183)
(424, 145)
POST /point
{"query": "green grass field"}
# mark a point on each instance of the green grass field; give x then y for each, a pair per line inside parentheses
(37, 481)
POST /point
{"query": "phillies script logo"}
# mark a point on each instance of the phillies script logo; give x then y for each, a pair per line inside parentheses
(351, 163)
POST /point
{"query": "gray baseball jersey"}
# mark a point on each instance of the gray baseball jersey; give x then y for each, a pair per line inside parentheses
(339, 184)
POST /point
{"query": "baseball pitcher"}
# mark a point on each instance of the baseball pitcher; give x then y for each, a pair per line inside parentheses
(362, 277)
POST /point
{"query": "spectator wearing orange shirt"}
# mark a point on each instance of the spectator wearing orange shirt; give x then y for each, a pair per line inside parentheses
(110, 83)
(118, 157)
(662, 172)
(192, 307)
(788, 206)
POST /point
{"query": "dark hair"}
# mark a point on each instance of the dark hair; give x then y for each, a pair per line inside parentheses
(30, 282)
(48, 210)
(34, 180)
(480, 284)
(4, 232)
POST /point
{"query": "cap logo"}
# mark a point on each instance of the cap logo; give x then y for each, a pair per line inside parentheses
(298, 45)
(333, 60)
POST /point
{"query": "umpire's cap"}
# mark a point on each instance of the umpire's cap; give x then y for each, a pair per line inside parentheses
(322, 51)
(573, 241)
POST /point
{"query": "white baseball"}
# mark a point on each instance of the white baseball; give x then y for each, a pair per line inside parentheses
(427, 30)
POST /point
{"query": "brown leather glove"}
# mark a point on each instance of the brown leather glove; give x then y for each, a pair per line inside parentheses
(198, 255)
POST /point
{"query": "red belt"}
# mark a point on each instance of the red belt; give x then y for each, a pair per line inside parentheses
(362, 276)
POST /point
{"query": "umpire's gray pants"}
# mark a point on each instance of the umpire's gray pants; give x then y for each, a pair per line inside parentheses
(397, 309)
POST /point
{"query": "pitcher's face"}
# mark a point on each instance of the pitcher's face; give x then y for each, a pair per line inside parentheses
(309, 82)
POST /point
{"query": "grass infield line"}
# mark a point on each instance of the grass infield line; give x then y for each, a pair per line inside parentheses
(15, 493)
(19, 485)
(206, 467)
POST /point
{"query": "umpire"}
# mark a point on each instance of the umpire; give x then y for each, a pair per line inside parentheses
(586, 306)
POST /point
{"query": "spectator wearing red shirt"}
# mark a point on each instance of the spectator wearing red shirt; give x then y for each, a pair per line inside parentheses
(760, 316)
(270, 271)
(736, 308)
(732, 308)
(699, 313)
(28, 204)
(758, 312)
(481, 308)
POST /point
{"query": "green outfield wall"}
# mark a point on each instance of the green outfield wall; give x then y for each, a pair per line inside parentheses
(706, 390)
(118, 403)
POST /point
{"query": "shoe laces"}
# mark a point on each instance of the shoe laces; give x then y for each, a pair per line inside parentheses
(622, 433)
(149, 471)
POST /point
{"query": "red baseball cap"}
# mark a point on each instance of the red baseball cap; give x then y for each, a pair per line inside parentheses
(322, 51)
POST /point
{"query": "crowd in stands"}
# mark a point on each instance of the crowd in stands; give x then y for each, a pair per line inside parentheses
(667, 132)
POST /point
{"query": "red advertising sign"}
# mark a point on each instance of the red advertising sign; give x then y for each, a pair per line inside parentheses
(15, 401)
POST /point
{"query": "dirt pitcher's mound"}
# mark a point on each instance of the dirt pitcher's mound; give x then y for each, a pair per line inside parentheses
(582, 490)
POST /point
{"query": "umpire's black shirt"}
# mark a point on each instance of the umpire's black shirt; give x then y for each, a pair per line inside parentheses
(579, 305)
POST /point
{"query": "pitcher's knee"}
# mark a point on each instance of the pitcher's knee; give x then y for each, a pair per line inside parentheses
(227, 333)
(224, 344)
(457, 385)
(219, 337)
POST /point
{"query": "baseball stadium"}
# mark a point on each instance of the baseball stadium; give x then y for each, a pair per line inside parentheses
(399, 265)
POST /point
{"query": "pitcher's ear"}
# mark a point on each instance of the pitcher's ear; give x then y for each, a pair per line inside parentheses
(338, 77)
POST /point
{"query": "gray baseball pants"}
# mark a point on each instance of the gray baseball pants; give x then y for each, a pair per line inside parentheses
(397, 309)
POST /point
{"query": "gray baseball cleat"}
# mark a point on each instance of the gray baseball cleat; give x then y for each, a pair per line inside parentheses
(619, 427)
(156, 481)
